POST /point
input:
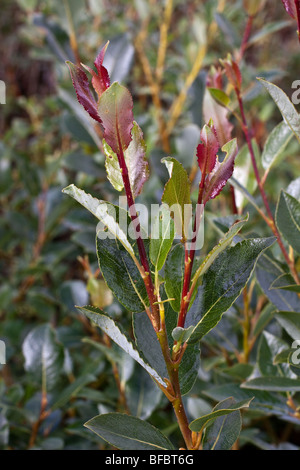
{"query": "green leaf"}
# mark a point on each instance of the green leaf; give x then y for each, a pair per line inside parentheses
(112, 167)
(107, 213)
(174, 274)
(177, 195)
(200, 423)
(217, 250)
(142, 394)
(128, 433)
(147, 344)
(286, 282)
(72, 390)
(224, 281)
(162, 236)
(290, 321)
(285, 106)
(107, 324)
(264, 401)
(181, 335)
(288, 219)
(273, 384)
(44, 356)
(220, 96)
(269, 346)
(275, 144)
(135, 161)
(121, 275)
(267, 270)
(115, 109)
(222, 432)
(150, 350)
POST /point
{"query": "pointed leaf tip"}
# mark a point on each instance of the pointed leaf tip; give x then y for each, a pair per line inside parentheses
(290, 7)
(83, 92)
(221, 172)
(207, 149)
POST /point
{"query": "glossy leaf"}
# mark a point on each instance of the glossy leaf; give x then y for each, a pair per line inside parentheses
(147, 344)
(223, 282)
(128, 433)
(222, 433)
(285, 282)
(288, 219)
(221, 246)
(267, 271)
(108, 325)
(115, 109)
(135, 161)
(174, 274)
(290, 321)
(199, 424)
(149, 349)
(207, 150)
(44, 355)
(286, 107)
(273, 384)
(290, 7)
(162, 236)
(269, 346)
(275, 144)
(221, 172)
(83, 92)
(264, 401)
(177, 194)
(121, 274)
(105, 212)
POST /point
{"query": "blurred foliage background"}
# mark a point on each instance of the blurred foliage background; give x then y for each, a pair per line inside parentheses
(60, 370)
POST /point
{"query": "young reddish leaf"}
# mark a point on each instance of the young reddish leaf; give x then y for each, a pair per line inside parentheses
(233, 72)
(207, 149)
(290, 7)
(221, 172)
(115, 108)
(83, 92)
(100, 80)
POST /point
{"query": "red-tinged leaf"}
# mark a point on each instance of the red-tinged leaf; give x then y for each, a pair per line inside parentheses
(207, 150)
(221, 172)
(233, 72)
(290, 7)
(115, 109)
(100, 80)
(83, 92)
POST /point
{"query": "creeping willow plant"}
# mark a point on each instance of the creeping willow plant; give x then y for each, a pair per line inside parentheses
(174, 298)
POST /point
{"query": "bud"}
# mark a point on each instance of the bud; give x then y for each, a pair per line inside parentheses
(252, 7)
(233, 72)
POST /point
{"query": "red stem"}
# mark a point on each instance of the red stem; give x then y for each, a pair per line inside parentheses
(270, 219)
(246, 35)
(189, 260)
(155, 319)
(297, 5)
